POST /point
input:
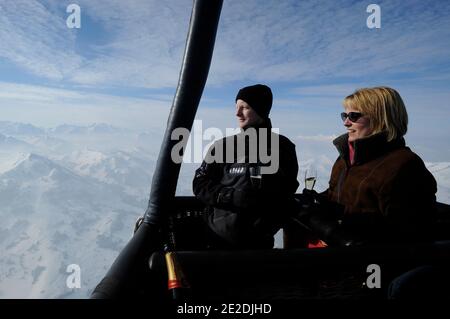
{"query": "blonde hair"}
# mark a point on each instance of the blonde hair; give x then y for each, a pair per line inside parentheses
(384, 107)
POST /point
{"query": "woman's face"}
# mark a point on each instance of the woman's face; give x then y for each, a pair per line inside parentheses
(358, 128)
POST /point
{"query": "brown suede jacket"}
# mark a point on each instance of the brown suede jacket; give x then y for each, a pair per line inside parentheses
(387, 194)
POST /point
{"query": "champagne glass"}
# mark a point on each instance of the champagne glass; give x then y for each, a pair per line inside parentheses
(255, 176)
(310, 177)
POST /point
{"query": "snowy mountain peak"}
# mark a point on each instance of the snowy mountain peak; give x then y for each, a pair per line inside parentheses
(10, 141)
(34, 163)
(35, 166)
(36, 158)
(66, 129)
(438, 167)
(86, 157)
(102, 128)
(12, 128)
(97, 128)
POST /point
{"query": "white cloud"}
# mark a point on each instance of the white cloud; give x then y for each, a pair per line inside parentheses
(37, 40)
(317, 138)
(141, 43)
(146, 45)
(330, 90)
(33, 93)
(306, 40)
(49, 107)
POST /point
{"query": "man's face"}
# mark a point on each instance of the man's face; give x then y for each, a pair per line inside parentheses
(246, 116)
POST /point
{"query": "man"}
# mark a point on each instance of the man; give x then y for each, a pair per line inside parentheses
(247, 181)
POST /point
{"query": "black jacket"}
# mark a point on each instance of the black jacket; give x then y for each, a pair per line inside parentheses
(246, 212)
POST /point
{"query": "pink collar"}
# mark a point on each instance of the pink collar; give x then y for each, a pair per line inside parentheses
(351, 153)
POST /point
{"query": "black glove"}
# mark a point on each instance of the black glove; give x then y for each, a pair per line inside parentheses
(245, 198)
(225, 196)
(310, 197)
(324, 218)
(308, 203)
(241, 198)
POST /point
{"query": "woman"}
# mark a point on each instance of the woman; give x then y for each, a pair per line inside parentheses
(379, 190)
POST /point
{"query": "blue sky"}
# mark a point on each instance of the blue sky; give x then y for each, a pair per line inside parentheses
(122, 66)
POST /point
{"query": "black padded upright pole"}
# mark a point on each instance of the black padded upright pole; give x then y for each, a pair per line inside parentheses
(128, 272)
(194, 73)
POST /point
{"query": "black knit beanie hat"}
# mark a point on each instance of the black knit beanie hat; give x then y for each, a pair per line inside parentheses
(259, 97)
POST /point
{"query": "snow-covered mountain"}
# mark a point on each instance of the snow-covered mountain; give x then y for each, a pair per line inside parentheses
(58, 209)
(72, 195)
(118, 168)
(11, 150)
(9, 143)
(47, 144)
(12, 128)
(54, 217)
(96, 128)
(441, 172)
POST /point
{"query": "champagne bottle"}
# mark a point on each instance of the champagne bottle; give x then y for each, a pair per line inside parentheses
(177, 283)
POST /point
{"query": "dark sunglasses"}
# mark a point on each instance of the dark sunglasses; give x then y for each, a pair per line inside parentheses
(352, 116)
